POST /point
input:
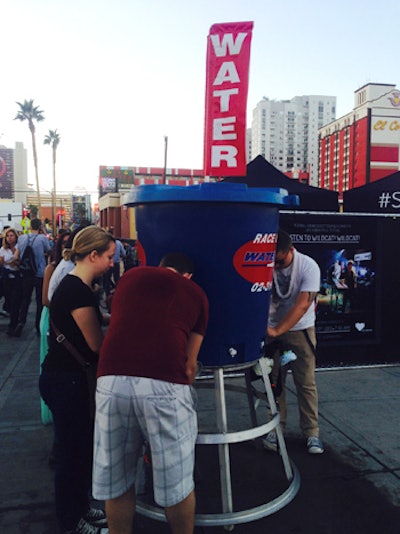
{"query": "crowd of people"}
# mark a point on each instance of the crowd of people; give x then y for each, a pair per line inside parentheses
(115, 392)
(18, 284)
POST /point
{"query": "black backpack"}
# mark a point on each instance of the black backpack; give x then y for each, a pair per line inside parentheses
(27, 265)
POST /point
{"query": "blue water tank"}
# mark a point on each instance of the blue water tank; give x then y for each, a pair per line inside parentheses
(230, 232)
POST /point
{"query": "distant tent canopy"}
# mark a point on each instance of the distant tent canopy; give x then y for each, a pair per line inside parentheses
(260, 173)
(382, 196)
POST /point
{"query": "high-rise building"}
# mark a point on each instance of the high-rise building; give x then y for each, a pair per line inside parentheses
(362, 146)
(6, 173)
(285, 132)
(20, 173)
(13, 173)
(248, 145)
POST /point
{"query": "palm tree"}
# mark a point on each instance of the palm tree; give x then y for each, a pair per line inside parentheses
(29, 112)
(53, 139)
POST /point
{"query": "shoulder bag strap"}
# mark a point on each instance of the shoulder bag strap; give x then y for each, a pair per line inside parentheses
(29, 242)
(60, 338)
(90, 370)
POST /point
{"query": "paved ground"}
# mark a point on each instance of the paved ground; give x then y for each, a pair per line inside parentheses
(354, 488)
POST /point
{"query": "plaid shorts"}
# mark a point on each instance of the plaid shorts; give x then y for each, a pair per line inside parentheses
(131, 410)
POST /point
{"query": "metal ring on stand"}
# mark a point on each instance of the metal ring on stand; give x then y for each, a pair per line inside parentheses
(228, 518)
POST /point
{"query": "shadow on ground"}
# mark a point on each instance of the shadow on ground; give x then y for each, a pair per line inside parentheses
(333, 497)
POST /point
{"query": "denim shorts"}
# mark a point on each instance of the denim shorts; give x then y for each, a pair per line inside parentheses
(130, 411)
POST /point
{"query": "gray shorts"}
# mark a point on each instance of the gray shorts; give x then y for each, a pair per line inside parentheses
(130, 410)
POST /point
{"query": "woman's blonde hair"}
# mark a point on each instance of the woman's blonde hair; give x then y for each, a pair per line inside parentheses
(13, 231)
(86, 241)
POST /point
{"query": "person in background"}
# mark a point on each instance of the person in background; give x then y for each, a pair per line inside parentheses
(40, 246)
(291, 321)
(130, 259)
(61, 244)
(349, 278)
(3, 311)
(44, 319)
(63, 382)
(147, 365)
(12, 286)
(112, 277)
(64, 266)
(26, 224)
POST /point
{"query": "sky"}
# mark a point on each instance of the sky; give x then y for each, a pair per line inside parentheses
(114, 77)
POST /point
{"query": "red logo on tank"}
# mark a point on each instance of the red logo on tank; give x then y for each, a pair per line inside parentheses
(255, 262)
(141, 254)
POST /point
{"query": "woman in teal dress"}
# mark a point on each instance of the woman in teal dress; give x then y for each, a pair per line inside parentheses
(61, 244)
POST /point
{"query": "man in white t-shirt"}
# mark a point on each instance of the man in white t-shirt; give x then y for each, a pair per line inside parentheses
(291, 323)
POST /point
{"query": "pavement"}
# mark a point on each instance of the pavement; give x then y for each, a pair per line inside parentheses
(353, 488)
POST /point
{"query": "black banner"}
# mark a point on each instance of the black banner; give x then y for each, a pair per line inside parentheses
(346, 250)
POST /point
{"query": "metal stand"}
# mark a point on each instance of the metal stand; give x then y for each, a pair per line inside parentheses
(223, 438)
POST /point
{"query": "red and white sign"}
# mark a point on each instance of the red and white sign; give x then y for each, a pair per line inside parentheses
(254, 260)
(227, 81)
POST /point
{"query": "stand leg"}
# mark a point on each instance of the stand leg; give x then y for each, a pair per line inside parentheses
(250, 398)
(223, 448)
(274, 413)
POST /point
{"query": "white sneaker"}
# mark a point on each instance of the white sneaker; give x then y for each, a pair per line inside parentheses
(257, 367)
(314, 445)
(270, 443)
(287, 357)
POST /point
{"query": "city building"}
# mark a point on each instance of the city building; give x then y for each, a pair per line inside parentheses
(81, 208)
(285, 132)
(6, 173)
(114, 182)
(20, 173)
(63, 208)
(13, 173)
(248, 145)
(362, 146)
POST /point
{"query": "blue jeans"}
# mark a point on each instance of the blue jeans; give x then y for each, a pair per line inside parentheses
(66, 394)
(30, 283)
(13, 294)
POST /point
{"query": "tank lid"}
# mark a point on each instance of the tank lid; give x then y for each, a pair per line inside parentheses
(210, 192)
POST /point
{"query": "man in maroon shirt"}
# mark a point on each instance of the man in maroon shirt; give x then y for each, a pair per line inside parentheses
(147, 365)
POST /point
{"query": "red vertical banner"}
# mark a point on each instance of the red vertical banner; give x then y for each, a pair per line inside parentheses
(227, 81)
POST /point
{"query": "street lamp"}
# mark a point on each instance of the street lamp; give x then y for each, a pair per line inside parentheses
(165, 158)
(53, 208)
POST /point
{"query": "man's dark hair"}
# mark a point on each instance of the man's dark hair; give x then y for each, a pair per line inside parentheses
(72, 235)
(36, 224)
(284, 241)
(178, 261)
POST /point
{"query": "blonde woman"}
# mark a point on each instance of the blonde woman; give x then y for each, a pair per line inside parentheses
(63, 383)
(11, 278)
